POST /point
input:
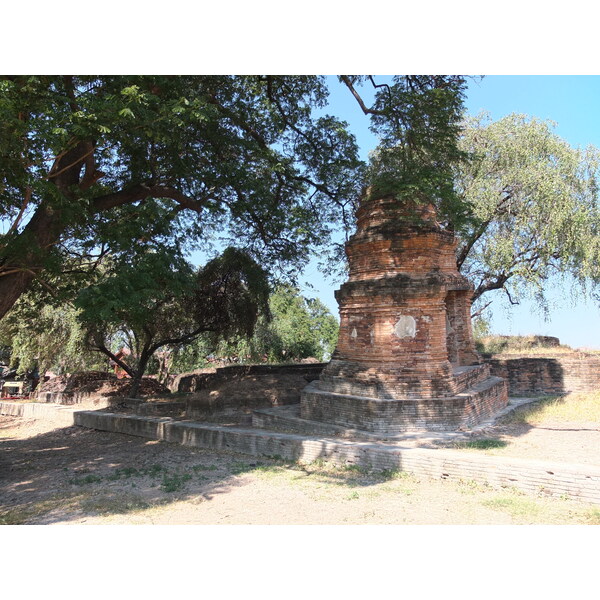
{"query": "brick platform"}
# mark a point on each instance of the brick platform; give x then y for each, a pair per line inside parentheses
(405, 357)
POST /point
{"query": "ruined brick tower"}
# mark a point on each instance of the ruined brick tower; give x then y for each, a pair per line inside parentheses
(405, 358)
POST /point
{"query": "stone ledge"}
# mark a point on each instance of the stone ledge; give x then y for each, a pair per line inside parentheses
(390, 416)
(38, 410)
(579, 482)
(557, 479)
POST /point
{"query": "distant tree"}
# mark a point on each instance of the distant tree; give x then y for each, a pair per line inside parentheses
(46, 338)
(534, 210)
(297, 328)
(157, 301)
(300, 327)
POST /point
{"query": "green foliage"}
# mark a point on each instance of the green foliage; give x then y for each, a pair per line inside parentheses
(534, 208)
(46, 338)
(143, 299)
(481, 328)
(301, 327)
(417, 120)
(100, 164)
(232, 291)
(155, 300)
(296, 328)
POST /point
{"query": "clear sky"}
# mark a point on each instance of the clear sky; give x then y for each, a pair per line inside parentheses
(572, 103)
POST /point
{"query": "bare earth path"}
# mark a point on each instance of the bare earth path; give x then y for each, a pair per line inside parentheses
(69, 475)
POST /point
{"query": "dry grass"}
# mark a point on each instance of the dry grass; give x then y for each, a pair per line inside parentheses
(309, 493)
(518, 344)
(29, 512)
(582, 407)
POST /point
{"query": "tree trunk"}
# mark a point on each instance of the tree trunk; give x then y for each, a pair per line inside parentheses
(30, 249)
(136, 380)
(44, 230)
(135, 384)
(18, 271)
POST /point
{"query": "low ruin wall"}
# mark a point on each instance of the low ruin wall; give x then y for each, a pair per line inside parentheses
(525, 374)
(576, 372)
(195, 382)
(246, 386)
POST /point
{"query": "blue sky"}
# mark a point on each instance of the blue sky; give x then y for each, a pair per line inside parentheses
(572, 103)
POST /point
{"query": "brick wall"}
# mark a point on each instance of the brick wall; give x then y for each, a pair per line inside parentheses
(576, 372)
(194, 382)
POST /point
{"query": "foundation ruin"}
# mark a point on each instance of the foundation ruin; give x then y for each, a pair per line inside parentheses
(405, 358)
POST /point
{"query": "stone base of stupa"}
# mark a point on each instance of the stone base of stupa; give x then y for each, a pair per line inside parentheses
(479, 399)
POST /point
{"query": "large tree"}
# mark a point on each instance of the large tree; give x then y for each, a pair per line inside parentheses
(534, 210)
(156, 300)
(94, 164)
(418, 121)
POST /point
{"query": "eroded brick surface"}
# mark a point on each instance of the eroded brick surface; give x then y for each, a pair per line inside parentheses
(405, 330)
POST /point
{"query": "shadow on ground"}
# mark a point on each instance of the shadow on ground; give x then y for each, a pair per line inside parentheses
(67, 473)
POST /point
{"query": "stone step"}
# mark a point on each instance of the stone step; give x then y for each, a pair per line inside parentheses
(580, 482)
(389, 416)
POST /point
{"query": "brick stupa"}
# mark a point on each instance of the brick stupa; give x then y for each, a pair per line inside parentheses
(405, 358)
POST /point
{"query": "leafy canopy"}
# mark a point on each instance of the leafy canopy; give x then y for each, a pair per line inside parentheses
(534, 208)
(417, 120)
(99, 164)
(295, 328)
(46, 339)
(157, 300)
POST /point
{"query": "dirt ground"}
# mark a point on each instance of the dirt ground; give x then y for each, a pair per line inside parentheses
(69, 475)
(559, 442)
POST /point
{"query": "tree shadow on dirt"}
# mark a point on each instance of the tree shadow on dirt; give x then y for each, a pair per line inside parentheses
(68, 473)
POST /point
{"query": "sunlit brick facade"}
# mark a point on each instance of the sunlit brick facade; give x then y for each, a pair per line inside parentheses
(405, 357)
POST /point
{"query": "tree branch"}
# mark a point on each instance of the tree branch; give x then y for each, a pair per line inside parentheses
(141, 192)
(100, 347)
(26, 201)
(480, 311)
(368, 111)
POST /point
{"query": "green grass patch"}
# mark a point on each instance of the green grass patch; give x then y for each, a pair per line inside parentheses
(125, 473)
(392, 474)
(593, 516)
(515, 506)
(21, 515)
(118, 504)
(470, 486)
(175, 482)
(237, 468)
(355, 469)
(482, 444)
(155, 471)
